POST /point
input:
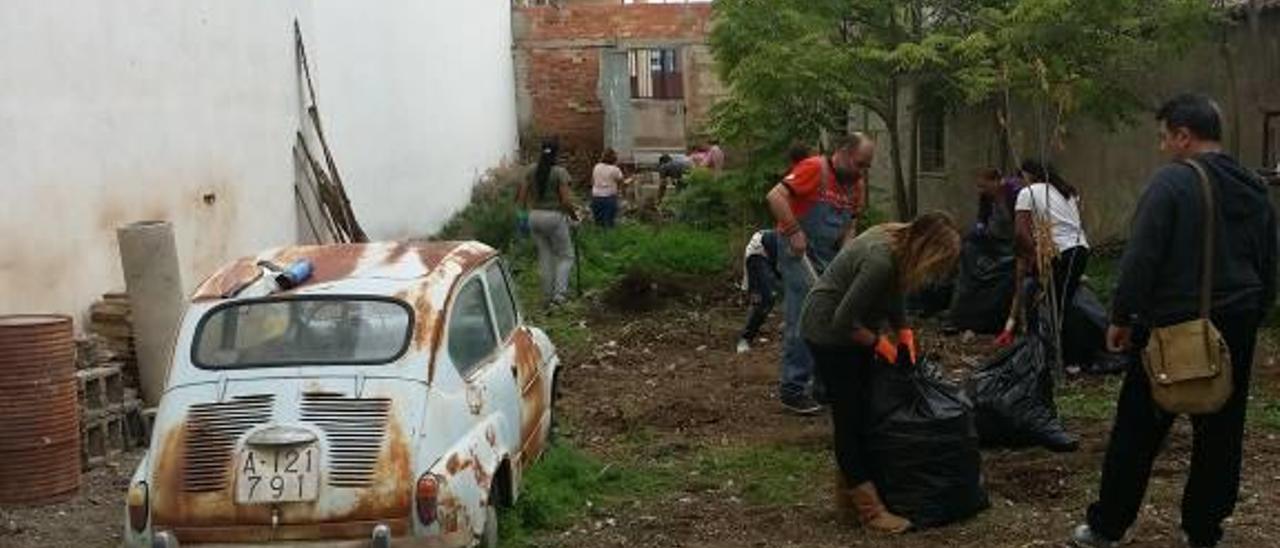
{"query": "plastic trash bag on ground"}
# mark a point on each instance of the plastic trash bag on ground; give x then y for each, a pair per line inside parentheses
(922, 445)
(1013, 397)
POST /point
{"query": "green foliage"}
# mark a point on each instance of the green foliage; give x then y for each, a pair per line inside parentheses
(736, 198)
(563, 485)
(491, 215)
(795, 67)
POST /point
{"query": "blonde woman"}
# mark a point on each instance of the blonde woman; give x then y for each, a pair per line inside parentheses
(858, 296)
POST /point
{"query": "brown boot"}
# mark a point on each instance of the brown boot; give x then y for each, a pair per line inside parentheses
(872, 513)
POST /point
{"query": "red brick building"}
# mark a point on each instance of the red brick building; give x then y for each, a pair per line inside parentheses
(636, 77)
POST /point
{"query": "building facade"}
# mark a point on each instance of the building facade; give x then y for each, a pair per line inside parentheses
(635, 77)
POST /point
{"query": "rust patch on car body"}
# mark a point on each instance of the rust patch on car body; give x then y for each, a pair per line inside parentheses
(533, 398)
(334, 262)
(229, 279)
(339, 513)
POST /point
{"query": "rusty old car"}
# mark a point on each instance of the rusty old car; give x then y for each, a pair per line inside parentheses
(391, 396)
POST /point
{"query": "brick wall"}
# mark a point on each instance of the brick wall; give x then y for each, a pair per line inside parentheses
(558, 62)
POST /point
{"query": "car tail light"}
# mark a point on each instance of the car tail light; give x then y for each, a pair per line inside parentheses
(138, 502)
(427, 496)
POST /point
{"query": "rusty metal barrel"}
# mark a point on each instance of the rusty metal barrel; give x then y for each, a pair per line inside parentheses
(39, 410)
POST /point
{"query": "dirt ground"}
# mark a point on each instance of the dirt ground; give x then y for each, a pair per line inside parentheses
(667, 385)
(671, 380)
(93, 518)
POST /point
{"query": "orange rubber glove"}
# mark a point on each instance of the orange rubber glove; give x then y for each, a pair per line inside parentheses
(908, 337)
(887, 350)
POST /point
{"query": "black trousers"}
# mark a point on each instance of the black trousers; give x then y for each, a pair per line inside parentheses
(760, 285)
(1213, 482)
(843, 371)
(1068, 267)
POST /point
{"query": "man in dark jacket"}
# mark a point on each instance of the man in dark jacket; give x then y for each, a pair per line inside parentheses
(1159, 285)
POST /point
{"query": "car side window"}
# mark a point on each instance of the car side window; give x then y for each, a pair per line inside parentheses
(471, 337)
(504, 309)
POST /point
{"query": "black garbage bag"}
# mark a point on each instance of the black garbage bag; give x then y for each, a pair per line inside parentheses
(984, 286)
(1084, 335)
(1013, 396)
(922, 445)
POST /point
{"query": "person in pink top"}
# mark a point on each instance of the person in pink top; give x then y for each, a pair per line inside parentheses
(606, 182)
(715, 157)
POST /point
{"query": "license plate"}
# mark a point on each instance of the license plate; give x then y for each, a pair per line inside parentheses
(266, 475)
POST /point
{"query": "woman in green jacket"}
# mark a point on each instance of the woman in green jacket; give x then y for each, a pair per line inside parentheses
(860, 295)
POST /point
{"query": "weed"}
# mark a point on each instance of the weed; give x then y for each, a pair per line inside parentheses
(564, 484)
(1103, 272)
(1089, 399)
(771, 475)
(1265, 413)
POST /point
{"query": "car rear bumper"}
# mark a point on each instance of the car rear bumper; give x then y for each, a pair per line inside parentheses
(379, 536)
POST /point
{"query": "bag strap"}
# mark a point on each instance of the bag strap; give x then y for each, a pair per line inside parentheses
(1210, 212)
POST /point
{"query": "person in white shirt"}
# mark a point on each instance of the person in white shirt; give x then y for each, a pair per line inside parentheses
(1050, 199)
(606, 182)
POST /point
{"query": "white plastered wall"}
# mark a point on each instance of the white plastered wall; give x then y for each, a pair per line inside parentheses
(114, 112)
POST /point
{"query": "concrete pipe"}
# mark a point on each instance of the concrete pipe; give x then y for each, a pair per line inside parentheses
(154, 283)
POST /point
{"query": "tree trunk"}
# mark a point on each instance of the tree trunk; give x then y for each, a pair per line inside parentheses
(913, 182)
(895, 154)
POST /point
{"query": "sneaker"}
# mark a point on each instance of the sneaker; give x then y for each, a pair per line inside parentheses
(743, 346)
(801, 405)
(1084, 537)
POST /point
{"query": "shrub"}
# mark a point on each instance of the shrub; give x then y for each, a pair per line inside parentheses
(735, 198)
(491, 215)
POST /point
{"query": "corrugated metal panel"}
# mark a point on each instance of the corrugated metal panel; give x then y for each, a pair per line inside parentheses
(212, 432)
(355, 429)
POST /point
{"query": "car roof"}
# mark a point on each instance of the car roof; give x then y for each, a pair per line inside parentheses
(407, 262)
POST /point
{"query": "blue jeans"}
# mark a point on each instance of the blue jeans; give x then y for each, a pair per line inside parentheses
(604, 209)
(797, 362)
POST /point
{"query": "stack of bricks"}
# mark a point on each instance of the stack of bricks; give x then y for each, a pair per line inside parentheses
(111, 416)
(111, 321)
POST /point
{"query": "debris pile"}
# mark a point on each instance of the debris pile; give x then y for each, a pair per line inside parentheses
(112, 419)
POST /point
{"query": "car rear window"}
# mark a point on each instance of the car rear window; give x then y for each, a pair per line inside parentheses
(303, 331)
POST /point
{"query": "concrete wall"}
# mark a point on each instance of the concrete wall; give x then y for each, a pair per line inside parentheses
(1111, 166)
(112, 112)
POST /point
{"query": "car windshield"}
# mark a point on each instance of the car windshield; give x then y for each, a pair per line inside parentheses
(303, 331)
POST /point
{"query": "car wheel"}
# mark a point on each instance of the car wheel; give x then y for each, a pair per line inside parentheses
(489, 536)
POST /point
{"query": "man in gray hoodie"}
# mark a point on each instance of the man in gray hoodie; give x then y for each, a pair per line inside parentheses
(1159, 285)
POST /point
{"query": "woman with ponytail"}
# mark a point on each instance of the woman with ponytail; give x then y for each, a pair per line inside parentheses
(858, 298)
(1049, 201)
(545, 199)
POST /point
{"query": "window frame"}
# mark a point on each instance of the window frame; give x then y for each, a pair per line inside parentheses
(411, 326)
(484, 362)
(1270, 146)
(659, 88)
(500, 267)
(929, 113)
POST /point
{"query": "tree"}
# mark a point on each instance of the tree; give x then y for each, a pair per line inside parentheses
(795, 67)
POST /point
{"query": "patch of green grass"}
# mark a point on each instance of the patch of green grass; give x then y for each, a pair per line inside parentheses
(772, 475)
(1089, 400)
(565, 484)
(1265, 413)
(1103, 270)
